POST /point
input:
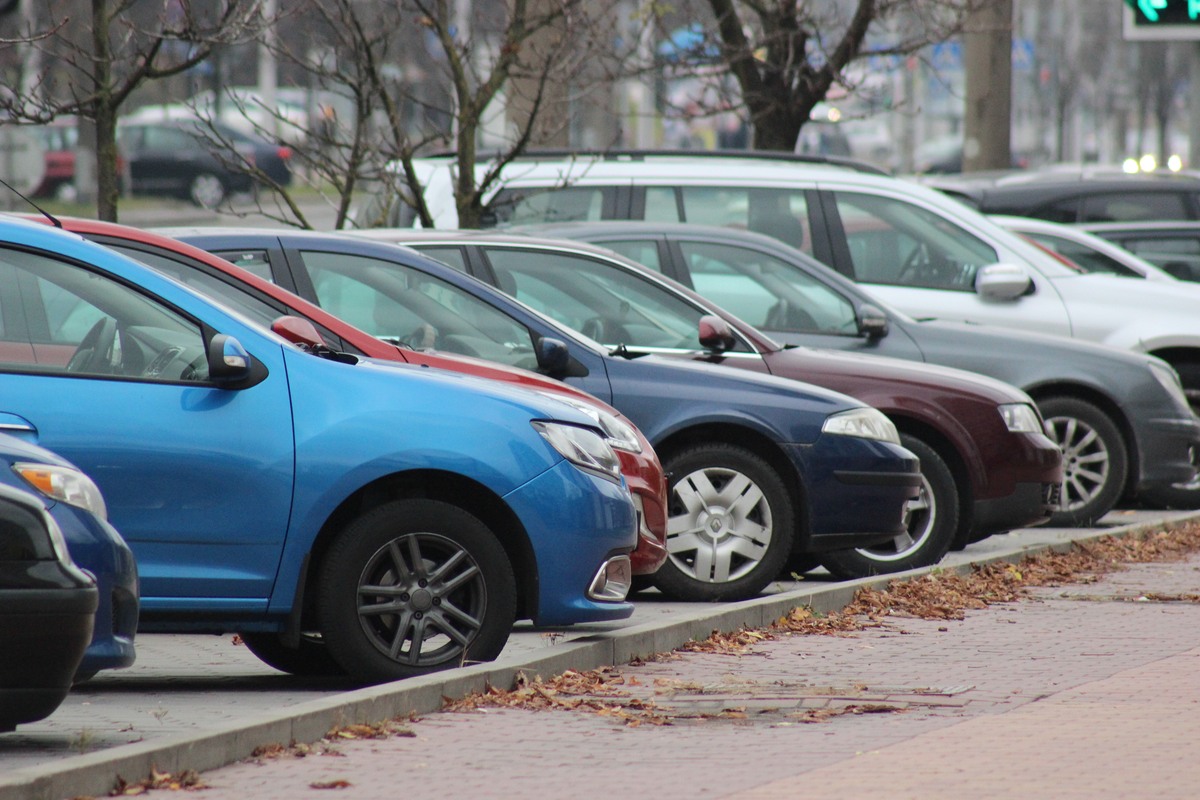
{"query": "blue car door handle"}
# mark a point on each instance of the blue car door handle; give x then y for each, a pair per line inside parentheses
(16, 425)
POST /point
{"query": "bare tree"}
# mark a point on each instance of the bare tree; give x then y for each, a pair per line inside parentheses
(485, 80)
(785, 56)
(96, 53)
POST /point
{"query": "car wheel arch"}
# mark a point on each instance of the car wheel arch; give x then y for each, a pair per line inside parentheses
(1105, 403)
(454, 489)
(949, 453)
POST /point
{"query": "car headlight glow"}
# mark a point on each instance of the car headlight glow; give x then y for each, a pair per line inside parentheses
(65, 484)
(1020, 418)
(620, 433)
(583, 447)
(865, 423)
(1169, 379)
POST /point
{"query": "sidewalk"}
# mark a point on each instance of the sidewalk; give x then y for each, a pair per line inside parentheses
(1082, 692)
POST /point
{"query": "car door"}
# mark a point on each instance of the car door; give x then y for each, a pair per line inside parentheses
(926, 263)
(197, 478)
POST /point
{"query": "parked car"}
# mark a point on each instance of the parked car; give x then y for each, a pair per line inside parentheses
(199, 160)
(263, 301)
(47, 611)
(1077, 193)
(1120, 417)
(986, 464)
(1172, 246)
(760, 468)
(913, 246)
(388, 520)
(77, 507)
(1084, 249)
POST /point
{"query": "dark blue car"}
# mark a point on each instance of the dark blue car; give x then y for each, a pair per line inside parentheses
(761, 468)
(342, 515)
(75, 503)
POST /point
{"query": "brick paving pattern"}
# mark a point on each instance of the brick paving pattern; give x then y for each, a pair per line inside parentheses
(1081, 692)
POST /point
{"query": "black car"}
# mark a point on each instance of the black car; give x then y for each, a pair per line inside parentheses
(1077, 194)
(1172, 245)
(1106, 407)
(47, 611)
(198, 160)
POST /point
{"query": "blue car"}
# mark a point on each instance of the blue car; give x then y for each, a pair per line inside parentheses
(762, 469)
(341, 515)
(75, 503)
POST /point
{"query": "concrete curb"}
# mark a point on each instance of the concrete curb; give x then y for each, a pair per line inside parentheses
(97, 773)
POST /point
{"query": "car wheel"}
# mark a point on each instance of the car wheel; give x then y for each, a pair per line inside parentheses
(730, 525)
(1095, 461)
(412, 587)
(931, 524)
(310, 657)
(207, 190)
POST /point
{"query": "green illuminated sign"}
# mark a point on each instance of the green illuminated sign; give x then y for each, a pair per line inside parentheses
(1150, 13)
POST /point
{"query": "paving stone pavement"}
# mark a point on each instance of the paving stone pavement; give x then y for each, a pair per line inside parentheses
(1082, 691)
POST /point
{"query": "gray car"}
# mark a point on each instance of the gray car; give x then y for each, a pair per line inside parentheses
(1120, 417)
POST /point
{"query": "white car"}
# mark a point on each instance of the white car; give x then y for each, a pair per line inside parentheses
(922, 251)
(1088, 251)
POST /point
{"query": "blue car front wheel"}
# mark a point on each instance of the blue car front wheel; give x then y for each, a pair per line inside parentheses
(412, 587)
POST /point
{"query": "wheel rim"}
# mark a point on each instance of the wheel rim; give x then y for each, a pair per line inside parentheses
(421, 599)
(719, 527)
(1086, 460)
(920, 518)
(207, 190)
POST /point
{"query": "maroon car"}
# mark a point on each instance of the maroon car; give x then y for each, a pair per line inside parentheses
(262, 300)
(988, 466)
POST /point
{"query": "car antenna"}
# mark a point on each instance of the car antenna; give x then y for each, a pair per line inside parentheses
(53, 219)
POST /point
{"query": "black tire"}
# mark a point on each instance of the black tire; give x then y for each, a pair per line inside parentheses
(1095, 460)
(441, 571)
(932, 521)
(706, 483)
(310, 658)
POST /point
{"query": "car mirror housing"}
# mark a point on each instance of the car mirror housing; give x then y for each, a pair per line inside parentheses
(715, 334)
(298, 330)
(553, 357)
(230, 366)
(872, 321)
(1002, 281)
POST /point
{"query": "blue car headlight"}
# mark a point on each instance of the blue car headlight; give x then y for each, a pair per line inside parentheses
(620, 433)
(65, 484)
(865, 423)
(583, 447)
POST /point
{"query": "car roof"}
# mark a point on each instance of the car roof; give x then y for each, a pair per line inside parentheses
(1043, 184)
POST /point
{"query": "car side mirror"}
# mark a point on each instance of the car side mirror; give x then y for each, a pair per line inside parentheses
(298, 330)
(553, 357)
(1002, 281)
(872, 321)
(228, 362)
(715, 334)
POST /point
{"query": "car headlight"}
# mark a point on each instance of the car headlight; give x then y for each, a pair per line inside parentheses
(865, 423)
(1020, 418)
(583, 447)
(65, 484)
(620, 433)
(1169, 379)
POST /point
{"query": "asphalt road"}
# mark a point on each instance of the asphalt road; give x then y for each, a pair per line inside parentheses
(189, 685)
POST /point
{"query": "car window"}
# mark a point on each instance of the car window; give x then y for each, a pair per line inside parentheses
(1065, 210)
(780, 213)
(404, 305)
(662, 205)
(551, 204)
(602, 301)
(81, 322)
(1088, 259)
(641, 251)
(898, 243)
(1121, 206)
(450, 256)
(162, 138)
(766, 291)
(256, 261)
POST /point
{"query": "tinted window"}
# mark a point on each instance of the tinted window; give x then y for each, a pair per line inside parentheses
(255, 261)
(556, 204)
(643, 252)
(1120, 206)
(407, 306)
(781, 213)
(450, 256)
(765, 291)
(1085, 257)
(600, 300)
(85, 323)
(895, 242)
(662, 205)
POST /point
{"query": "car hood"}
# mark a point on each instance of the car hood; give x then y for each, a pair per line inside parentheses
(1105, 308)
